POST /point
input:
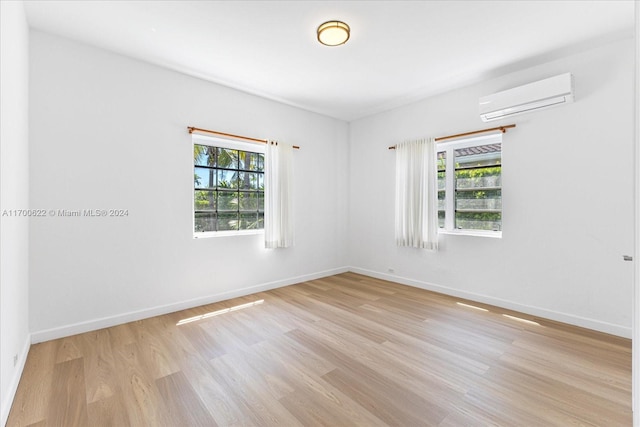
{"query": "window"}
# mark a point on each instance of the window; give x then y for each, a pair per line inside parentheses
(470, 185)
(228, 184)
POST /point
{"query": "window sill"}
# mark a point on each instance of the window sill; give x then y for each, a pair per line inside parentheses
(475, 233)
(208, 234)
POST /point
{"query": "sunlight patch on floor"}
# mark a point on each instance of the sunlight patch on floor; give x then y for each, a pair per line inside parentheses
(219, 312)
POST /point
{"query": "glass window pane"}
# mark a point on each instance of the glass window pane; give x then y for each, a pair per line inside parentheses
(243, 160)
(204, 221)
(228, 221)
(227, 179)
(204, 178)
(204, 200)
(227, 201)
(441, 219)
(442, 166)
(248, 181)
(260, 165)
(442, 160)
(227, 158)
(250, 161)
(261, 202)
(478, 156)
(442, 207)
(482, 200)
(249, 221)
(479, 220)
(479, 178)
(248, 201)
(203, 155)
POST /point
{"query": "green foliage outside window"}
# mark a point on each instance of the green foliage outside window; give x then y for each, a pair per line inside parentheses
(228, 189)
(478, 190)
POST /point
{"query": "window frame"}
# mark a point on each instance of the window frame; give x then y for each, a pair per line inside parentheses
(229, 144)
(449, 147)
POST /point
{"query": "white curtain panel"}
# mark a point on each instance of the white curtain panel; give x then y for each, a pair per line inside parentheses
(278, 193)
(416, 194)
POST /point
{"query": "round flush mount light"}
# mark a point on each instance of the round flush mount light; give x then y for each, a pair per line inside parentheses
(333, 33)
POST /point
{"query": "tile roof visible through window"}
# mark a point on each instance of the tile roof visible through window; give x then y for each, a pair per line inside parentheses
(480, 149)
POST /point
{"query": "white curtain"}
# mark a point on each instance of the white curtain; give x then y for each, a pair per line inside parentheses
(416, 194)
(278, 193)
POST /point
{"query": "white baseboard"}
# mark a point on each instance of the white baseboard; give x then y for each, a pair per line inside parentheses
(583, 322)
(105, 322)
(7, 400)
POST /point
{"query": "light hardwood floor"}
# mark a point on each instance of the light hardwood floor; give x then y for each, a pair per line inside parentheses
(340, 351)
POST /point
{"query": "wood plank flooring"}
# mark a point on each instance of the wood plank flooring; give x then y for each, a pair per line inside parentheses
(339, 351)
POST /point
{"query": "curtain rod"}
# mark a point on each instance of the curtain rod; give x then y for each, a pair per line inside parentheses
(230, 135)
(502, 129)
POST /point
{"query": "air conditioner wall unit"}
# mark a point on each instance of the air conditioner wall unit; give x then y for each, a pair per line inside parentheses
(534, 96)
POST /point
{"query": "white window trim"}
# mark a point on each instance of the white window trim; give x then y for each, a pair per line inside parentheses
(213, 141)
(475, 233)
(226, 233)
(449, 219)
(231, 144)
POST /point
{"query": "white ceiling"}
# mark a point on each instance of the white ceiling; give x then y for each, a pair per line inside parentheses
(399, 51)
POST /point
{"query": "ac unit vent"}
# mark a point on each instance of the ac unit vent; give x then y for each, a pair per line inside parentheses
(534, 96)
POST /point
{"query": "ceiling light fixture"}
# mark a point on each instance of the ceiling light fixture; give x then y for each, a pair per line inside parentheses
(333, 33)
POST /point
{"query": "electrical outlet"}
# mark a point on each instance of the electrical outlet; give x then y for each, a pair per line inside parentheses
(15, 360)
(391, 270)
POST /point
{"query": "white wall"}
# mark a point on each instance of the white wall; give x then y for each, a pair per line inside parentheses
(110, 132)
(14, 195)
(567, 197)
(636, 297)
